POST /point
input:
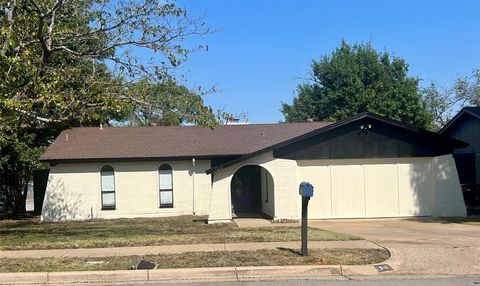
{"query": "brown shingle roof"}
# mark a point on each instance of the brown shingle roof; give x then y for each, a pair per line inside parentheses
(166, 141)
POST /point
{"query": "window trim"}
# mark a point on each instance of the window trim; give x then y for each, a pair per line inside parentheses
(165, 166)
(102, 192)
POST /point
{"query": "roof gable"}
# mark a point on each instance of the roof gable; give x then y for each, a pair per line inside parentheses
(415, 134)
(473, 111)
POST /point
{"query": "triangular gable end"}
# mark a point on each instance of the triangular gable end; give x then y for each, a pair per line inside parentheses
(368, 137)
(342, 140)
(466, 111)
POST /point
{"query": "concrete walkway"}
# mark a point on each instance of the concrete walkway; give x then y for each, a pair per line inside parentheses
(252, 222)
(418, 246)
(169, 249)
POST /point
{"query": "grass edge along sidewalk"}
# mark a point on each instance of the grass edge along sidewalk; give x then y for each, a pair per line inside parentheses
(262, 257)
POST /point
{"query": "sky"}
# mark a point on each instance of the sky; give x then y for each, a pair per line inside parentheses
(263, 49)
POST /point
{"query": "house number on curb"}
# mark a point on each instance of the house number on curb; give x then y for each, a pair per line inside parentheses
(383, 267)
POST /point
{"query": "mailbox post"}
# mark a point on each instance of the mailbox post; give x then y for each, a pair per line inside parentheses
(306, 191)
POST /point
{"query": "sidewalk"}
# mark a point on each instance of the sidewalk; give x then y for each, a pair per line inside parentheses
(172, 249)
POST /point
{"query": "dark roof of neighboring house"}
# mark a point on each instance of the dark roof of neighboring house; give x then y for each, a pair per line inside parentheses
(153, 142)
(393, 123)
(471, 110)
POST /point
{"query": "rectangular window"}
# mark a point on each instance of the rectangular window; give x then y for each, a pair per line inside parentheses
(166, 186)
(108, 188)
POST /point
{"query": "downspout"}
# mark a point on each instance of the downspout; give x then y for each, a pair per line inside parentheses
(193, 188)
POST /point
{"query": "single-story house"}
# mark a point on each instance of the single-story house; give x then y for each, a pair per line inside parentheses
(465, 126)
(365, 166)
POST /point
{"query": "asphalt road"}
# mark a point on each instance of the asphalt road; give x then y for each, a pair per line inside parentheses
(460, 281)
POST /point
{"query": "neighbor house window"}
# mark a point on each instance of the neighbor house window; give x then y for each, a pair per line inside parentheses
(166, 186)
(108, 188)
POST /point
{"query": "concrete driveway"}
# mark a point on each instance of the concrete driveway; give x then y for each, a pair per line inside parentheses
(418, 246)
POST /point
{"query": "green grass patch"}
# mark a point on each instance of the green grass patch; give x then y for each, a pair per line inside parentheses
(32, 234)
(276, 257)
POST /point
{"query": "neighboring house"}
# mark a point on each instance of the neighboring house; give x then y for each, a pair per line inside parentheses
(465, 126)
(364, 166)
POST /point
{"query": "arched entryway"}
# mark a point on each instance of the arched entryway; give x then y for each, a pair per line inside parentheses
(252, 191)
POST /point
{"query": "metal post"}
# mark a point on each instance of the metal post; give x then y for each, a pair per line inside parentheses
(305, 201)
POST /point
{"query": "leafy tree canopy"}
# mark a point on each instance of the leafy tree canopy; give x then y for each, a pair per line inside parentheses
(70, 63)
(354, 79)
(439, 103)
(174, 105)
(467, 89)
(67, 63)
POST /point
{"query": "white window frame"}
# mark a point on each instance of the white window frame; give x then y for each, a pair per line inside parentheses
(108, 168)
(165, 166)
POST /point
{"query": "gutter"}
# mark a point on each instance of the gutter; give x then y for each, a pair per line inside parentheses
(193, 188)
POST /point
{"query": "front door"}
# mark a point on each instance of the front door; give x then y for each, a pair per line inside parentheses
(245, 189)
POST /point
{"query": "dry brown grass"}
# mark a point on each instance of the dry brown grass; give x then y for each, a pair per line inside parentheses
(276, 257)
(32, 234)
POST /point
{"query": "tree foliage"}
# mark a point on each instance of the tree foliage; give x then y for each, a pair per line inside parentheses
(443, 102)
(467, 89)
(66, 63)
(354, 79)
(173, 105)
(439, 103)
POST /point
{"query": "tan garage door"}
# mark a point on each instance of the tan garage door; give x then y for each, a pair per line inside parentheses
(369, 188)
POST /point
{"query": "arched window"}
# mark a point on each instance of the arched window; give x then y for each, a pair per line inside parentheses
(166, 186)
(107, 175)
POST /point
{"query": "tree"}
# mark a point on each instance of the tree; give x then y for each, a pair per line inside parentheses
(67, 63)
(354, 79)
(467, 89)
(439, 103)
(174, 105)
(20, 158)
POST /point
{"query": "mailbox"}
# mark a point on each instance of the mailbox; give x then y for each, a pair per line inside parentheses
(306, 190)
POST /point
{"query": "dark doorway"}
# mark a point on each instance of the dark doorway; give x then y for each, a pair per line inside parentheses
(246, 190)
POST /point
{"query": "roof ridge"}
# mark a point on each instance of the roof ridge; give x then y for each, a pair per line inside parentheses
(197, 126)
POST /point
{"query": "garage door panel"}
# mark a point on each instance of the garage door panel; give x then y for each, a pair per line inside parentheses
(348, 194)
(319, 176)
(381, 190)
(370, 188)
(415, 189)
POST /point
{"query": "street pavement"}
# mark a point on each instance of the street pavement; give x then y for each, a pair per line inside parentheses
(403, 281)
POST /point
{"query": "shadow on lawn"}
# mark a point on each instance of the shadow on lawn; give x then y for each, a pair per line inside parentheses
(293, 251)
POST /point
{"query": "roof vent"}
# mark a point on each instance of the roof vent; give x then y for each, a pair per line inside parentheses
(236, 121)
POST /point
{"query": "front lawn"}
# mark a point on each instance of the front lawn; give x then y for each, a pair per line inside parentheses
(201, 259)
(32, 234)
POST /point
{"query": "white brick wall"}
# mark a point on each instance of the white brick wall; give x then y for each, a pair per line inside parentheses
(284, 174)
(73, 190)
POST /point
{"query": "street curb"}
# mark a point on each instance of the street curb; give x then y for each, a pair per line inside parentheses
(172, 275)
